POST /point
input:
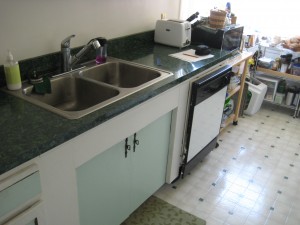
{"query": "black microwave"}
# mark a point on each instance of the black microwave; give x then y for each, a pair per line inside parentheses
(228, 38)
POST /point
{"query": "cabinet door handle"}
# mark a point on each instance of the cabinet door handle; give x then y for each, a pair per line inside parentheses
(135, 142)
(127, 147)
(36, 222)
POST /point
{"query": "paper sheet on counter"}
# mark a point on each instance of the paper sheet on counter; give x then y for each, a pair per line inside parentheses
(190, 56)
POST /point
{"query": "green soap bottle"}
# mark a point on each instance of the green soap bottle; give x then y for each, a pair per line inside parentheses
(12, 73)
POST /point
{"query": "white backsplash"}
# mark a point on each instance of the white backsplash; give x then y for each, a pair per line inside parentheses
(34, 27)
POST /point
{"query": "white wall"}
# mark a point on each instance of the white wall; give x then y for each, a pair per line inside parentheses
(36, 27)
(189, 7)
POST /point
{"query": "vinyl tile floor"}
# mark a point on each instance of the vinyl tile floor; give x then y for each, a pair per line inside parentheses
(252, 178)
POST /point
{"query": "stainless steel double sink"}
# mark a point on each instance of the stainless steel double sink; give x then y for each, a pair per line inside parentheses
(78, 93)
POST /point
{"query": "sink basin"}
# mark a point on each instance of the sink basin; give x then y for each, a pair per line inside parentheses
(72, 93)
(80, 92)
(121, 74)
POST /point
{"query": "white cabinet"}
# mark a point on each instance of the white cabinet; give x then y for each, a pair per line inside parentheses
(74, 173)
(114, 183)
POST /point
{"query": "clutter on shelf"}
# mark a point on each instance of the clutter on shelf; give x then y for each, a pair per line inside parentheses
(283, 64)
(228, 111)
(217, 19)
(292, 43)
(234, 82)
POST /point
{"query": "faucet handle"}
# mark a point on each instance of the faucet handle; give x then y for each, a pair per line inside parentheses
(66, 42)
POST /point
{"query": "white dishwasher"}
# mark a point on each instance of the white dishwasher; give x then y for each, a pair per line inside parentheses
(204, 116)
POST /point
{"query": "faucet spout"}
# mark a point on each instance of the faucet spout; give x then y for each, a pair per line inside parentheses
(66, 53)
(92, 43)
(68, 61)
(66, 42)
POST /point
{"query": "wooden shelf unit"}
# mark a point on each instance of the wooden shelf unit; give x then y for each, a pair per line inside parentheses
(278, 74)
(233, 91)
(287, 76)
(237, 61)
(228, 121)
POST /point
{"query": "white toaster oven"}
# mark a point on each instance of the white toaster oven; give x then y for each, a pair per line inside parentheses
(173, 32)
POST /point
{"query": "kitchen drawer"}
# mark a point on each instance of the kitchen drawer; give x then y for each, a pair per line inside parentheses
(19, 195)
(34, 215)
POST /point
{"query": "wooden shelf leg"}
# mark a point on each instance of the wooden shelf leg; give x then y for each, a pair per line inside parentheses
(240, 96)
(296, 114)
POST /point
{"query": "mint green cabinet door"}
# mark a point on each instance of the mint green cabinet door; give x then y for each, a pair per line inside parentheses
(150, 159)
(103, 188)
(111, 187)
(19, 193)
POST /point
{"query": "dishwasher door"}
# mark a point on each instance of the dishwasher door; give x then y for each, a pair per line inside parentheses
(205, 114)
(206, 122)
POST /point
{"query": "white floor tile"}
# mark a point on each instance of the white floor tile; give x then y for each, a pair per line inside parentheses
(252, 178)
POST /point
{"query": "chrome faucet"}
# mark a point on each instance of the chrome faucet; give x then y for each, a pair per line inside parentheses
(68, 61)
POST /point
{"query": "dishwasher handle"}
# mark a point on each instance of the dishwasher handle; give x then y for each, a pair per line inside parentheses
(204, 91)
(214, 87)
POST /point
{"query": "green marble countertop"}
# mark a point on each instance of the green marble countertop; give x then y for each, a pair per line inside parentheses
(28, 131)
